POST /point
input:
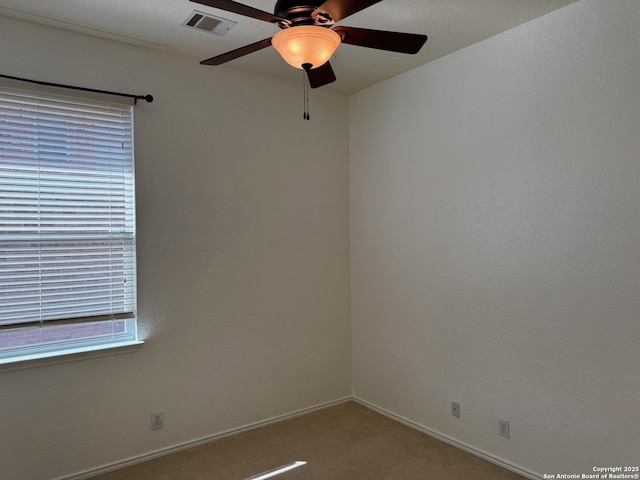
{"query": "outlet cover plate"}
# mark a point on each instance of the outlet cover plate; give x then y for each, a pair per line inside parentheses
(455, 409)
(503, 428)
(157, 421)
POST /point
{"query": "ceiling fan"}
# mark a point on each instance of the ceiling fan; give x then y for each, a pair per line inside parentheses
(308, 37)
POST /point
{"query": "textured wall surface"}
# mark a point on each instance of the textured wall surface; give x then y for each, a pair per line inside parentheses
(242, 256)
(494, 251)
(495, 228)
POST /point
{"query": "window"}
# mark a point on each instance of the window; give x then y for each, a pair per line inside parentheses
(67, 225)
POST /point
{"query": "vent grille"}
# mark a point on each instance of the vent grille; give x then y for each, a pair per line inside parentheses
(208, 23)
(194, 20)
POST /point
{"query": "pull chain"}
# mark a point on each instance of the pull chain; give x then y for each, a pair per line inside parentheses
(304, 94)
(305, 89)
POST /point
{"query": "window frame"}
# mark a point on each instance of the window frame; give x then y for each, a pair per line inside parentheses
(87, 346)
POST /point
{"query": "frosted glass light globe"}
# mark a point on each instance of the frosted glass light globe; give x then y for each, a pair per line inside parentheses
(306, 44)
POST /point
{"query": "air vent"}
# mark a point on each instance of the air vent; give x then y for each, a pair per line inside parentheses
(208, 23)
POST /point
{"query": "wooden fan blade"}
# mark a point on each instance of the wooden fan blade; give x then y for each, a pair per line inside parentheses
(239, 52)
(240, 9)
(321, 76)
(339, 9)
(381, 40)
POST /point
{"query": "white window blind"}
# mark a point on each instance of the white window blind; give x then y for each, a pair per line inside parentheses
(67, 213)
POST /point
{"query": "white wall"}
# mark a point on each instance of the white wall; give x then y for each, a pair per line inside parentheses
(242, 252)
(495, 229)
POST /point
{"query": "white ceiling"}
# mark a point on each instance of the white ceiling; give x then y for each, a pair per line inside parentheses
(450, 25)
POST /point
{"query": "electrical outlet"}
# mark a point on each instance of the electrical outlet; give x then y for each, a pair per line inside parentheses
(455, 409)
(503, 428)
(156, 421)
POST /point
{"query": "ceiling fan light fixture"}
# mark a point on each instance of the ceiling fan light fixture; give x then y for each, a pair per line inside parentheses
(306, 44)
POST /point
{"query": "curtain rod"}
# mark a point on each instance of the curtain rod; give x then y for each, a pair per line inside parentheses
(147, 98)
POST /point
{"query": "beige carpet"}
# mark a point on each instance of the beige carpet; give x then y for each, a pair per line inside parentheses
(345, 442)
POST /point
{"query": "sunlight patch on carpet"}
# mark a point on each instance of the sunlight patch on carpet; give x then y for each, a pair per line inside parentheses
(277, 471)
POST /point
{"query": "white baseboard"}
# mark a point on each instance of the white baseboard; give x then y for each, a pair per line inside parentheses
(217, 436)
(200, 441)
(451, 441)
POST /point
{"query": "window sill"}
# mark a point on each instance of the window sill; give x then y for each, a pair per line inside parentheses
(68, 355)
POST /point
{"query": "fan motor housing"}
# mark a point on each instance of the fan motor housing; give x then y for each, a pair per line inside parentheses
(296, 11)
